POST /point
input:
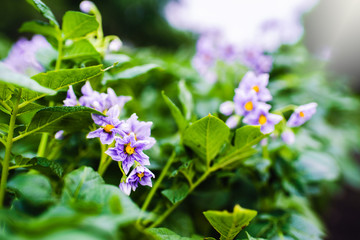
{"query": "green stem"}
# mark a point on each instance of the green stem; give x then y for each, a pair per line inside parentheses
(21, 166)
(9, 143)
(173, 207)
(44, 140)
(156, 186)
(60, 54)
(7, 107)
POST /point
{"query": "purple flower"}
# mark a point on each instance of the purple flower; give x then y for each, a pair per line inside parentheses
(255, 59)
(70, 99)
(86, 6)
(112, 99)
(233, 121)
(59, 135)
(227, 108)
(115, 45)
(128, 150)
(22, 57)
(110, 125)
(138, 175)
(140, 129)
(92, 98)
(258, 84)
(245, 102)
(302, 114)
(288, 136)
(262, 117)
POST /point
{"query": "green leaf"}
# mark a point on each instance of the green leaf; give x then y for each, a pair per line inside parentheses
(10, 77)
(230, 224)
(175, 112)
(249, 237)
(57, 80)
(42, 28)
(176, 194)
(4, 128)
(112, 58)
(206, 137)
(186, 99)
(44, 10)
(81, 50)
(134, 71)
(77, 24)
(30, 108)
(166, 234)
(53, 119)
(78, 181)
(33, 188)
(5, 91)
(44, 165)
(248, 136)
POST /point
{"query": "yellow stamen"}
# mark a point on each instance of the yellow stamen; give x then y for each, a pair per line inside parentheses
(301, 114)
(108, 128)
(129, 150)
(262, 120)
(256, 88)
(140, 175)
(249, 106)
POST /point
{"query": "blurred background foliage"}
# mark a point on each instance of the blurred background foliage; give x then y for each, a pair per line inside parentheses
(331, 137)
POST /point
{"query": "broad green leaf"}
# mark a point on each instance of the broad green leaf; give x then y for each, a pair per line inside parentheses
(134, 71)
(40, 164)
(5, 91)
(53, 119)
(33, 188)
(175, 112)
(10, 77)
(248, 136)
(78, 181)
(186, 99)
(176, 194)
(77, 24)
(42, 28)
(112, 58)
(30, 108)
(206, 137)
(4, 128)
(249, 237)
(57, 80)
(44, 10)
(230, 224)
(81, 50)
(166, 234)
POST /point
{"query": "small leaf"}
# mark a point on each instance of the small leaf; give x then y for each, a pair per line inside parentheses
(57, 80)
(5, 91)
(230, 224)
(134, 71)
(30, 108)
(43, 165)
(42, 28)
(10, 77)
(206, 137)
(77, 24)
(175, 112)
(186, 99)
(166, 234)
(33, 188)
(81, 50)
(53, 119)
(177, 194)
(248, 136)
(112, 58)
(44, 10)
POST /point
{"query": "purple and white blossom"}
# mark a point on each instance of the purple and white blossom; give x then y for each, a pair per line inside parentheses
(128, 150)
(288, 136)
(109, 126)
(262, 117)
(22, 56)
(138, 175)
(245, 102)
(227, 108)
(59, 135)
(115, 45)
(254, 58)
(258, 84)
(86, 6)
(71, 99)
(302, 114)
(233, 121)
(141, 130)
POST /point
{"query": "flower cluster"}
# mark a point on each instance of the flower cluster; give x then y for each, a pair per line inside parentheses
(250, 103)
(131, 137)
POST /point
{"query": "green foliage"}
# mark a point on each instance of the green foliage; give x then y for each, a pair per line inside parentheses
(230, 224)
(166, 234)
(42, 28)
(186, 100)
(248, 136)
(176, 194)
(134, 72)
(77, 24)
(206, 137)
(81, 50)
(44, 10)
(175, 112)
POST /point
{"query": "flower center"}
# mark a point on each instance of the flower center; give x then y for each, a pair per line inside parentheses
(262, 120)
(256, 88)
(140, 175)
(301, 114)
(108, 128)
(129, 150)
(249, 106)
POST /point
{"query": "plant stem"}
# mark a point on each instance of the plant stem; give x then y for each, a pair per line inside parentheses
(5, 105)
(21, 166)
(9, 143)
(60, 54)
(103, 160)
(156, 186)
(173, 207)
(44, 140)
